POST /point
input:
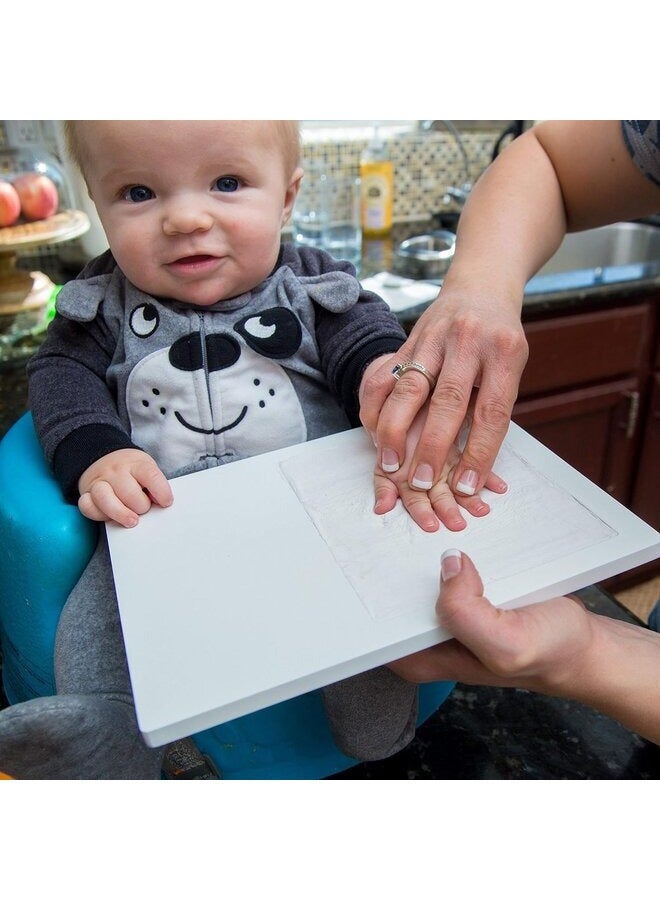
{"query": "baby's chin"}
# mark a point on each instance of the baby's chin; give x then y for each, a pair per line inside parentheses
(196, 294)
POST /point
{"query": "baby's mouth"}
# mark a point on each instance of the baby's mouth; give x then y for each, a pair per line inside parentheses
(198, 259)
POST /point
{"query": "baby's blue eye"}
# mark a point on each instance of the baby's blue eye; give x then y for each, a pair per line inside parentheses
(227, 184)
(138, 193)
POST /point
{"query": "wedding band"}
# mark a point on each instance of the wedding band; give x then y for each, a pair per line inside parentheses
(400, 368)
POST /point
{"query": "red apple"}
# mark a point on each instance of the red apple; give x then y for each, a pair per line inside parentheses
(38, 195)
(10, 204)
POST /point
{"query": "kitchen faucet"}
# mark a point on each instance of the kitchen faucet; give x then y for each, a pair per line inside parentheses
(458, 193)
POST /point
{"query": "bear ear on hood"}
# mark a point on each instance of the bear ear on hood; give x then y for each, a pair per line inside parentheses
(80, 300)
(335, 291)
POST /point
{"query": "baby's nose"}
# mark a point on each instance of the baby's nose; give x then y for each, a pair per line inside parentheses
(184, 217)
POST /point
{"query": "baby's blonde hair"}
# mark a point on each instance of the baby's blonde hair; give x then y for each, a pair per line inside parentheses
(287, 133)
(75, 146)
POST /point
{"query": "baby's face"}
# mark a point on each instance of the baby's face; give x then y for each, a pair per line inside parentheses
(192, 210)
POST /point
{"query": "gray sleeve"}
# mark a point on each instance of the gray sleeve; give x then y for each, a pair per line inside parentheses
(74, 413)
(350, 340)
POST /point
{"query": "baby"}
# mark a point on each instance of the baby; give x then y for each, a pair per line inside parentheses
(196, 340)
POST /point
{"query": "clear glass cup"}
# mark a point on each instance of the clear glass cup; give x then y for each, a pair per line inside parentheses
(307, 219)
(342, 231)
(327, 214)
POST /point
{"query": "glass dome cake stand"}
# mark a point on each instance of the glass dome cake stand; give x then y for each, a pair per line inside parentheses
(24, 296)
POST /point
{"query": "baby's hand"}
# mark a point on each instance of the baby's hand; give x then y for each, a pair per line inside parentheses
(439, 504)
(121, 486)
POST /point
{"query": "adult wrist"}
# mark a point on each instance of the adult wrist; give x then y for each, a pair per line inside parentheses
(483, 282)
(620, 675)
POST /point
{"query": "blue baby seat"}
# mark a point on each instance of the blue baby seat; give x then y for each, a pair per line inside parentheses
(45, 544)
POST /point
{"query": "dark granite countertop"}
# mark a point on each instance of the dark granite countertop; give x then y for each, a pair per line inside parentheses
(559, 293)
(498, 733)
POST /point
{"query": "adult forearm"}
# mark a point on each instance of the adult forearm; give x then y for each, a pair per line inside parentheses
(621, 676)
(512, 223)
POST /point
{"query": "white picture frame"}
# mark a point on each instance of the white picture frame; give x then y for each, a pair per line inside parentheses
(271, 576)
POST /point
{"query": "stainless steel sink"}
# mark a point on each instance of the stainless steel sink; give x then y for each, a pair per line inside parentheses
(622, 252)
(621, 244)
(586, 264)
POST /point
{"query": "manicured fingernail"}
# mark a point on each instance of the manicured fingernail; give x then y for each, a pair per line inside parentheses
(373, 438)
(389, 461)
(423, 478)
(468, 482)
(450, 564)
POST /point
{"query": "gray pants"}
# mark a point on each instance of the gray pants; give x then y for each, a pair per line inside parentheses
(88, 730)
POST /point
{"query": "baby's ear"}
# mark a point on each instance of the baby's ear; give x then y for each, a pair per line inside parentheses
(336, 291)
(291, 193)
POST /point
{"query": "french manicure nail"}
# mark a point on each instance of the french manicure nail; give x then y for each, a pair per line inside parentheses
(423, 478)
(450, 564)
(468, 483)
(389, 461)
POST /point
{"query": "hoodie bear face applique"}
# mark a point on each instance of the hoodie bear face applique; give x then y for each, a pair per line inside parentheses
(216, 393)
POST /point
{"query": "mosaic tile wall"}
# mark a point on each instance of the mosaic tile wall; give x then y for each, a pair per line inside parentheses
(425, 165)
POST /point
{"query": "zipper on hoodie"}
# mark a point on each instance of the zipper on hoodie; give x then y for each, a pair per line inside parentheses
(207, 377)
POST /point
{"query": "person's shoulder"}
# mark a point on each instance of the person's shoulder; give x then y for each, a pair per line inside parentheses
(642, 137)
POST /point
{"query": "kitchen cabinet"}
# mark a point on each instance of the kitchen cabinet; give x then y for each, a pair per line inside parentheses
(590, 428)
(591, 393)
(646, 494)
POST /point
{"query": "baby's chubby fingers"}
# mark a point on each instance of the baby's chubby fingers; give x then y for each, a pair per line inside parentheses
(152, 480)
(419, 508)
(388, 488)
(445, 506)
(101, 504)
(386, 494)
(121, 486)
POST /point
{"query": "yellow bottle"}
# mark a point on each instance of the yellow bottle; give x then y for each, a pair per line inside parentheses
(377, 177)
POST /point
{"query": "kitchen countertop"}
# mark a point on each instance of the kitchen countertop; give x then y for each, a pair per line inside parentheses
(545, 294)
(500, 733)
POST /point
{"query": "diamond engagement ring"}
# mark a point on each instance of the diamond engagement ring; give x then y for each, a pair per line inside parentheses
(400, 368)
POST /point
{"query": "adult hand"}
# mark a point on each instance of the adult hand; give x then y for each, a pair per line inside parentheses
(466, 340)
(542, 647)
(121, 486)
(436, 505)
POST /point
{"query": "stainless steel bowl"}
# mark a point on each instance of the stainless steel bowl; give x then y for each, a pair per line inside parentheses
(426, 256)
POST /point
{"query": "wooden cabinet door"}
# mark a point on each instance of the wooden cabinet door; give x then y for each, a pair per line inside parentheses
(592, 429)
(646, 496)
(589, 348)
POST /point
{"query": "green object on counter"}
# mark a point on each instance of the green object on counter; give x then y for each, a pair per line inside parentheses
(50, 306)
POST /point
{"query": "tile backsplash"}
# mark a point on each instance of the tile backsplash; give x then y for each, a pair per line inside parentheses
(425, 165)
